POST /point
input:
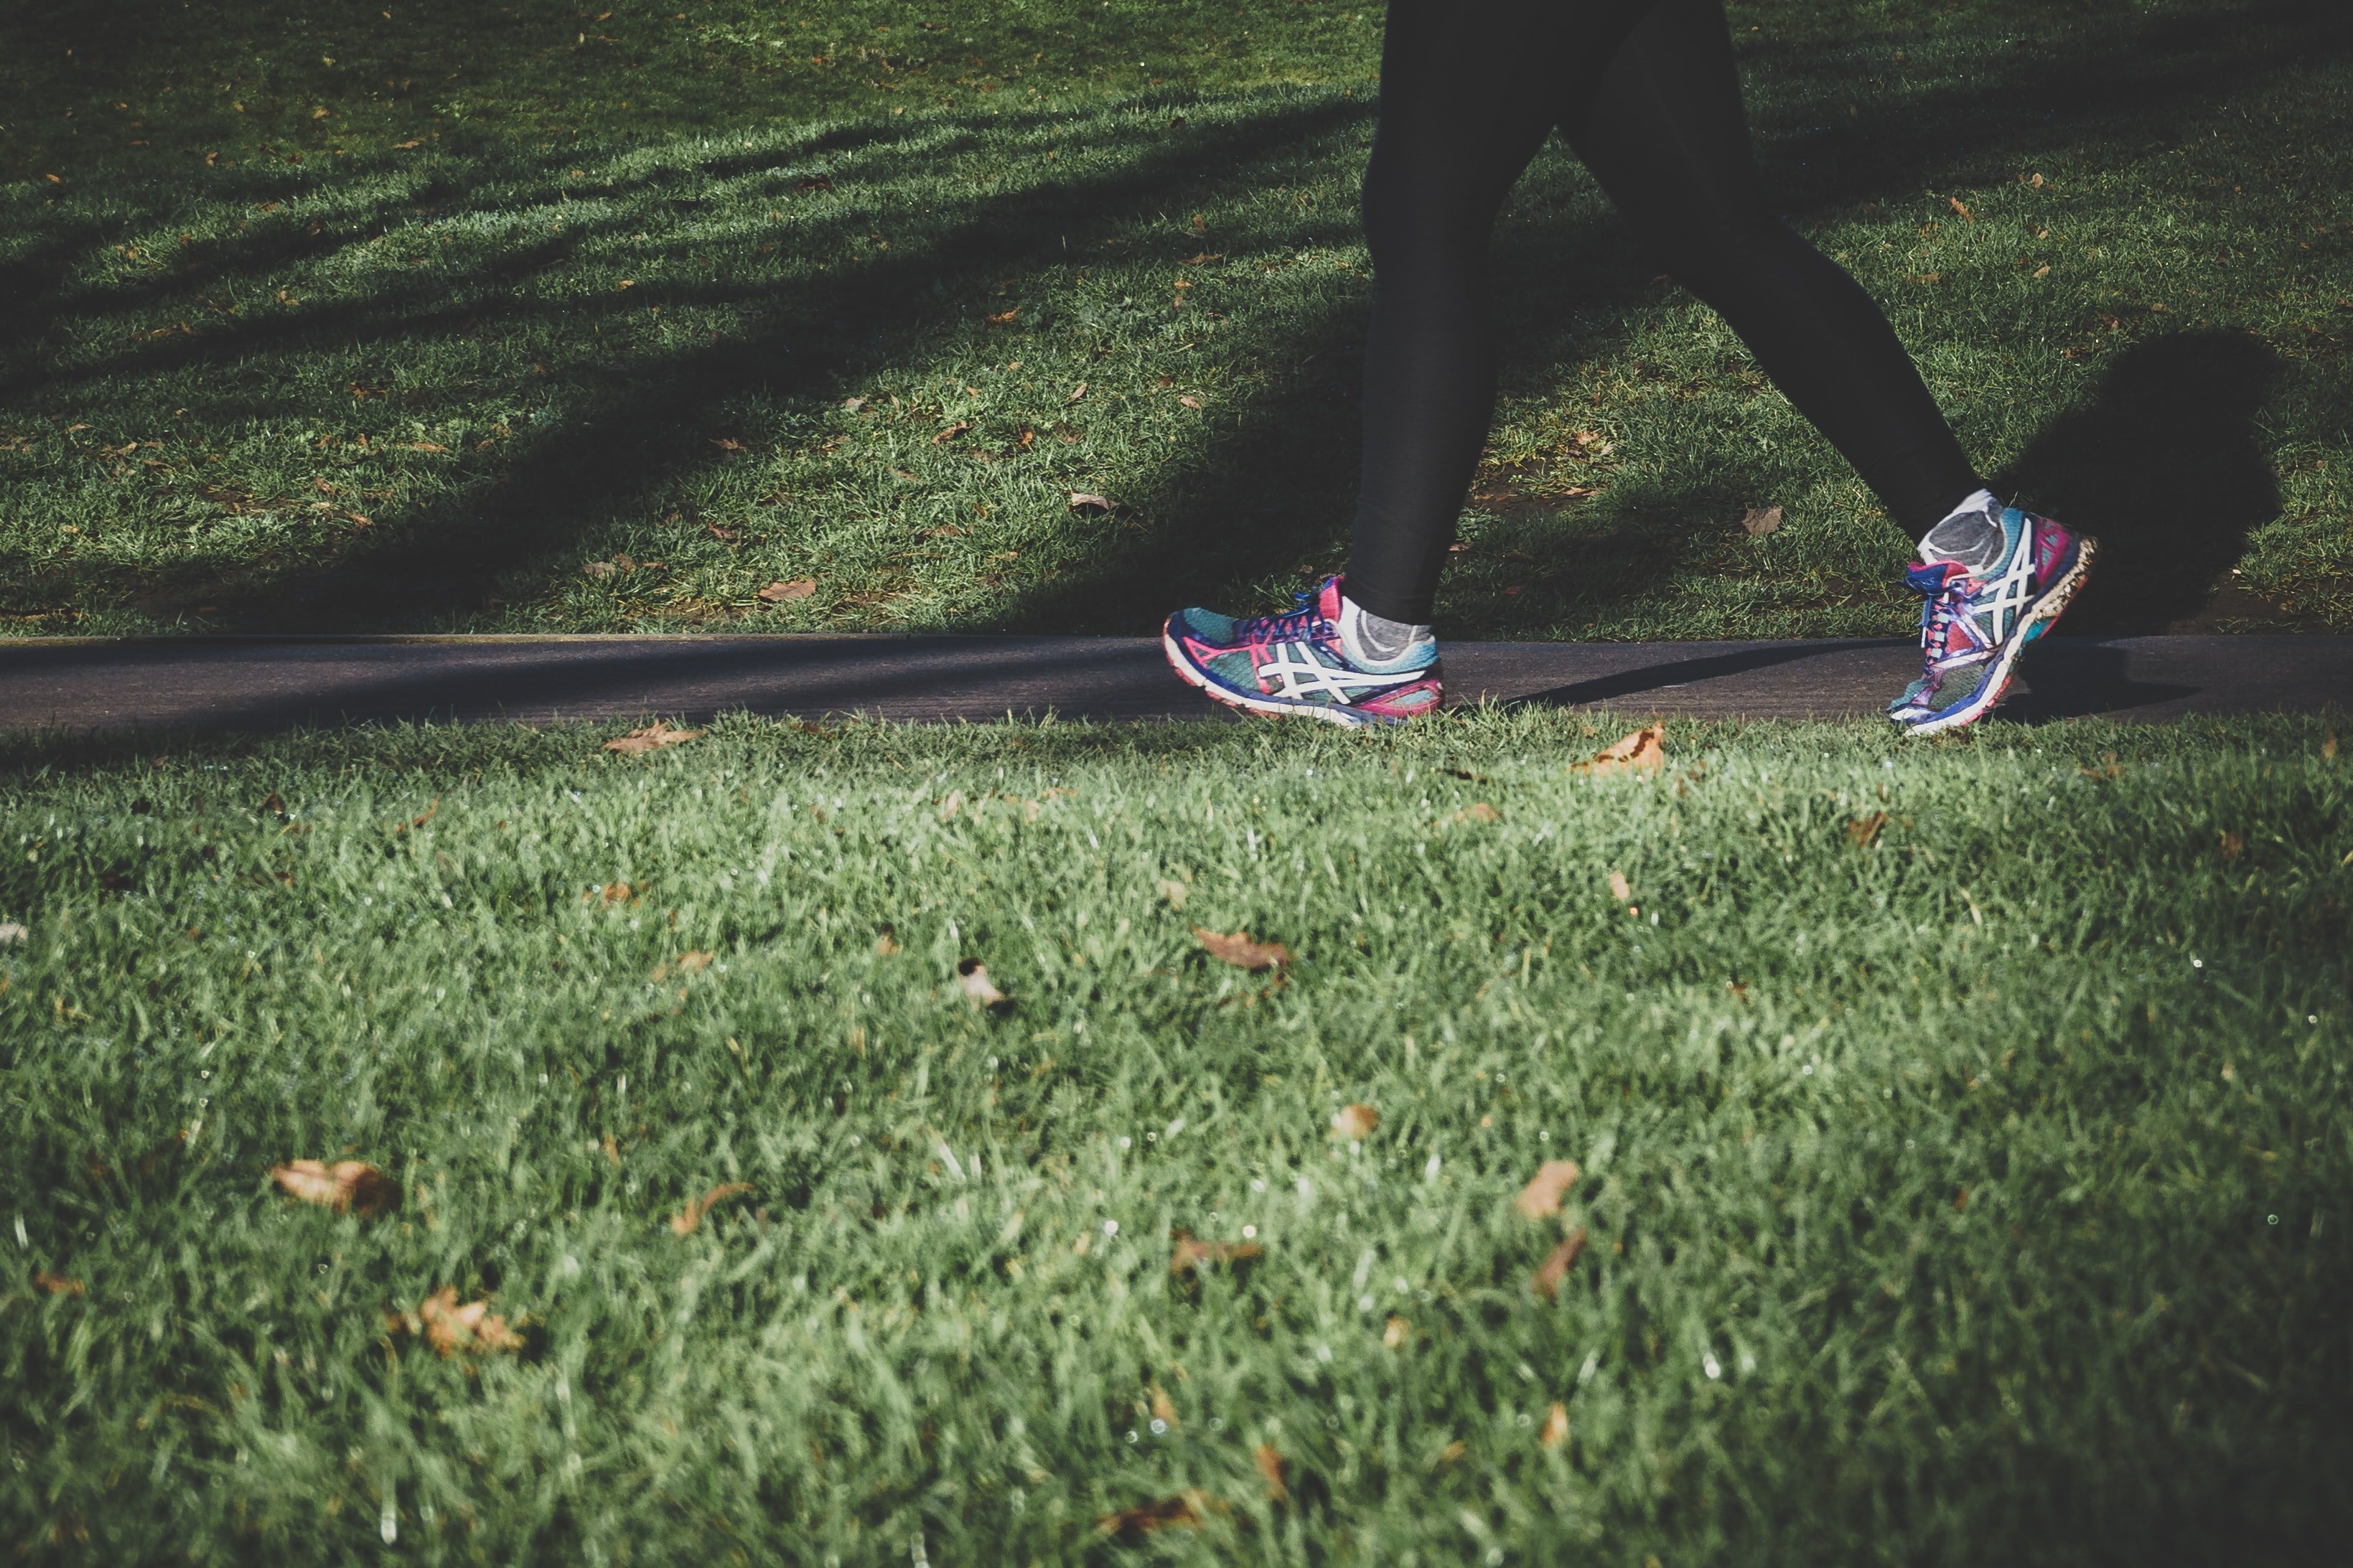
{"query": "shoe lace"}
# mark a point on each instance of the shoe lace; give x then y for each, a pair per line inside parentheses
(1945, 606)
(1302, 620)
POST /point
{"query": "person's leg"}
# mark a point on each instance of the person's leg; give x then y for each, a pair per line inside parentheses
(1470, 89)
(1666, 136)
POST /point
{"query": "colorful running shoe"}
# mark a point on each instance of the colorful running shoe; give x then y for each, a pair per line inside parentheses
(1294, 663)
(1974, 625)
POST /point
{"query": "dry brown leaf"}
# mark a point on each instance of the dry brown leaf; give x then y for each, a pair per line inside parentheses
(1644, 752)
(961, 427)
(450, 1328)
(685, 1221)
(1004, 318)
(887, 943)
(352, 1187)
(611, 893)
(1477, 811)
(1354, 1122)
(1184, 1508)
(1760, 521)
(1270, 1466)
(1163, 1407)
(1957, 207)
(652, 738)
(1082, 501)
(1240, 952)
(693, 962)
(1556, 1425)
(1541, 1197)
(727, 443)
(1188, 1252)
(1619, 889)
(1397, 1333)
(1546, 1281)
(1076, 393)
(57, 1284)
(2329, 747)
(600, 570)
(1174, 891)
(2232, 846)
(1189, 401)
(973, 975)
(781, 593)
(1863, 831)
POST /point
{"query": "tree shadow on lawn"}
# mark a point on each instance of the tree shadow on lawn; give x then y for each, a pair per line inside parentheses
(1259, 500)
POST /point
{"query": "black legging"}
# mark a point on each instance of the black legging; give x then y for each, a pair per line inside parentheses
(1645, 91)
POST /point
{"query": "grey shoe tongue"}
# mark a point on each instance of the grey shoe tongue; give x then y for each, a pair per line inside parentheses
(1975, 538)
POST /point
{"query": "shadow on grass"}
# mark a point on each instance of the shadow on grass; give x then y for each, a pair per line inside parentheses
(1259, 500)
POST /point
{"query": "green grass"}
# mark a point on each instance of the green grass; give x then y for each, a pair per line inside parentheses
(1974, 1194)
(269, 369)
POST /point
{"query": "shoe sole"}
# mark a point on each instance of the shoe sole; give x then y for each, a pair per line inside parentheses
(1996, 684)
(1270, 707)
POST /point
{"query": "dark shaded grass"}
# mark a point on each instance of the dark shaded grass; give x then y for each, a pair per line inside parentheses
(469, 294)
(1970, 1188)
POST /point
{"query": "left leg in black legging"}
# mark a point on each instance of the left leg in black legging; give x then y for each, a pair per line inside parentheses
(1667, 140)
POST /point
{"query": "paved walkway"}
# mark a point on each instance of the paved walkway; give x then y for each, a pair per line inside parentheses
(275, 683)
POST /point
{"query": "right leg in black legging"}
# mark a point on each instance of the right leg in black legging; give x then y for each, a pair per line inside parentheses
(1667, 140)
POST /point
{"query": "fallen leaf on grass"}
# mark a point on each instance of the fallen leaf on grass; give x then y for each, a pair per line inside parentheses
(611, 892)
(1556, 1425)
(780, 592)
(1354, 1122)
(1644, 752)
(1477, 811)
(1760, 521)
(727, 443)
(2329, 747)
(1004, 318)
(1163, 1407)
(1076, 393)
(2232, 846)
(686, 1219)
(951, 804)
(1863, 831)
(1270, 1466)
(600, 570)
(852, 405)
(1174, 892)
(1541, 1197)
(685, 963)
(652, 738)
(973, 976)
(887, 943)
(1188, 1252)
(1964, 211)
(1545, 1280)
(1082, 501)
(1189, 401)
(1186, 1509)
(13, 933)
(1397, 1333)
(1240, 952)
(450, 1328)
(1619, 889)
(952, 431)
(347, 1186)
(57, 1284)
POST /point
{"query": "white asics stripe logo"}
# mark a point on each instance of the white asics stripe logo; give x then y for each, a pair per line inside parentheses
(1302, 676)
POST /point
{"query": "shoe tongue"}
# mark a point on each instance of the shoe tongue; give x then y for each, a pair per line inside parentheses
(1327, 600)
(1930, 577)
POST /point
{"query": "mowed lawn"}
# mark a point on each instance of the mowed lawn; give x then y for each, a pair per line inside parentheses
(1964, 1132)
(538, 318)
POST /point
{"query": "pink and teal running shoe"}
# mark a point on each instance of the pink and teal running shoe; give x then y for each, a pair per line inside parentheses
(1293, 664)
(1982, 612)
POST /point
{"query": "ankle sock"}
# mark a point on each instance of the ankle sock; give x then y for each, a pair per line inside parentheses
(1971, 534)
(1374, 640)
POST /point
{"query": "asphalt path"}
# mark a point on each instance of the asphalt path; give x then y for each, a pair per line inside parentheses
(264, 684)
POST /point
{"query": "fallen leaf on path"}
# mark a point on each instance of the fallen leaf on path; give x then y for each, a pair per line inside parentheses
(57, 1284)
(1081, 500)
(952, 431)
(1863, 831)
(1619, 889)
(1240, 952)
(780, 592)
(1545, 1280)
(1184, 1508)
(1761, 521)
(1541, 1197)
(1354, 1122)
(1189, 1252)
(973, 975)
(1397, 1333)
(1556, 1425)
(347, 1186)
(450, 1328)
(1270, 1466)
(652, 738)
(686, 1219)
(1644, 752)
